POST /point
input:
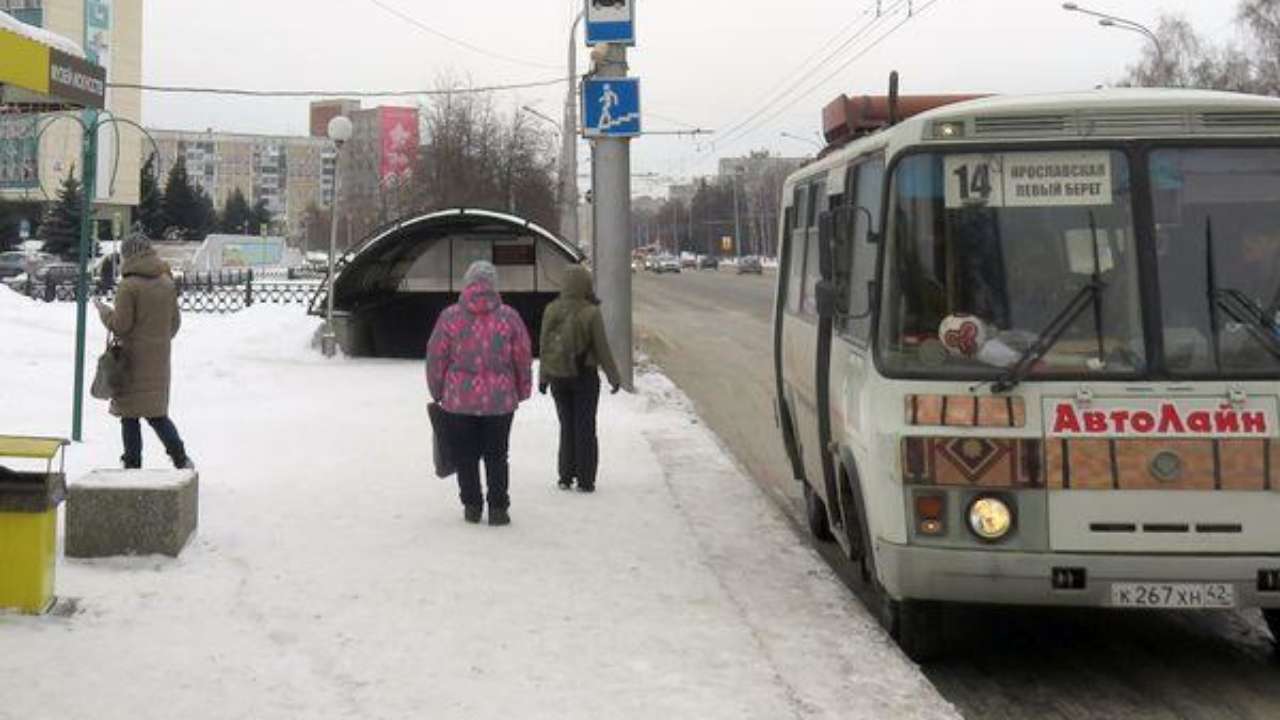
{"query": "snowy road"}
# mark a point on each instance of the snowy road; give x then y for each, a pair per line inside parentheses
(710, 333)
(332, 577)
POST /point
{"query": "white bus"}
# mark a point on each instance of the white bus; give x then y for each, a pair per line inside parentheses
(1027, 350)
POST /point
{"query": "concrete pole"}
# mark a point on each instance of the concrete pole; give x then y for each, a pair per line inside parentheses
(737, 224)
(612, 197)
(569, 147)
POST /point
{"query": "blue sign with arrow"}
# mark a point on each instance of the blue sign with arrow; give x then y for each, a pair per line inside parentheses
(611, 107)
(611, 21)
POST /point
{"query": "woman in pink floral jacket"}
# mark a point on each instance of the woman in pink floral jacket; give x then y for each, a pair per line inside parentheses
(479, 368)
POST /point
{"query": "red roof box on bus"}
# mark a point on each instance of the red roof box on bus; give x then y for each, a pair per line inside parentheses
(847, 118)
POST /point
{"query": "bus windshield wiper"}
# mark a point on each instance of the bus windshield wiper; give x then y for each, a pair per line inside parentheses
(1089, 295)
(1237, 305)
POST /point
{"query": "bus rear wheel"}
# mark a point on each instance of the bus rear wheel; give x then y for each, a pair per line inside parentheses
(815, 512)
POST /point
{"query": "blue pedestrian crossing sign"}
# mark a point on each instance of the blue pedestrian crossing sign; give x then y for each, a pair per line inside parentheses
(611, 21)
(611, 107)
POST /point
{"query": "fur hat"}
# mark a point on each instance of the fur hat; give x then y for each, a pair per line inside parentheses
(135, 244)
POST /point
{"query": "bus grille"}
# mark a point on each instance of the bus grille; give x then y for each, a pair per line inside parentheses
(1119, 464)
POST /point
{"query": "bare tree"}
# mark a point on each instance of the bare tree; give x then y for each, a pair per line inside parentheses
(1189, 60)
(475, 156)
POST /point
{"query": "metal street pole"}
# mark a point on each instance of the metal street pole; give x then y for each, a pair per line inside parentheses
(329, 341)
(88, 176)
(569, 146)
(612, 198)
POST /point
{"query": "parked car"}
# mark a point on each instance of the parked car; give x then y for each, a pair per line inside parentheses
(708, 262)
(12, 263)
(689, 261)
(59, 273)
(750, 264)
(668, 263)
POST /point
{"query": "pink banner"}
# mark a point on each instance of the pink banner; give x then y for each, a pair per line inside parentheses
(399, 142)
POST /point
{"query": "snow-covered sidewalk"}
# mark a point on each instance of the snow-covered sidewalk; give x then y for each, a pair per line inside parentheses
(333, 577)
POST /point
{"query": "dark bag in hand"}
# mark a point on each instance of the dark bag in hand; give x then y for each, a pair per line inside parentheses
(112, 373)
(442, 449)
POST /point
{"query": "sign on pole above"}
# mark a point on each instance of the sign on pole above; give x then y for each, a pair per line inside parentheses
(611, 107)
(611, 21)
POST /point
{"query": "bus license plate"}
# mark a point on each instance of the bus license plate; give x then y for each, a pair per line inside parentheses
(1173, 595)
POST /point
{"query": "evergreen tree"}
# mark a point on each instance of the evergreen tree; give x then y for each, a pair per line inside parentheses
(60, 229)
(259, 218)
(236, 214)
(206, 219)
(8, 226)
(183, 208)
(150, 211)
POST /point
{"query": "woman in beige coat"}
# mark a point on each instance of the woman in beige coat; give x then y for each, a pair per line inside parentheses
(145, 319)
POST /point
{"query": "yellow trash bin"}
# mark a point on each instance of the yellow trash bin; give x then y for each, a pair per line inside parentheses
(29, 525)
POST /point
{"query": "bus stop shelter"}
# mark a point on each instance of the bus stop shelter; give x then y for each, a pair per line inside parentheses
(390, 290)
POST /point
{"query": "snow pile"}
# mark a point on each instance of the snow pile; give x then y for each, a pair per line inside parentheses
(333, 577)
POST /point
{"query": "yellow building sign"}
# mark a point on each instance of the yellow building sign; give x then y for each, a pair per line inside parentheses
(34, 74)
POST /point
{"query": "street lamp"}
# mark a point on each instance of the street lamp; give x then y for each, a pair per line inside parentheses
(789, 136)
(542, 116)
(1119, 23)
(340, 130)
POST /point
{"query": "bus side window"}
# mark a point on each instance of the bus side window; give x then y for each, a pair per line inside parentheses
(809, 301)
(798, 205)
(868, 194)
(795, 268)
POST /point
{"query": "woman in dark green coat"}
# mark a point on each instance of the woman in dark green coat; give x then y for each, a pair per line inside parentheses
(573, 350)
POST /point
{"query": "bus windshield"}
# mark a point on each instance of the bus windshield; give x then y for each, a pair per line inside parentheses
(1217, 237)
(995, 260)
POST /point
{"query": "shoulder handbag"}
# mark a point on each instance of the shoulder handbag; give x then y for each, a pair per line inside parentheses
(112, 371)
(441, 448)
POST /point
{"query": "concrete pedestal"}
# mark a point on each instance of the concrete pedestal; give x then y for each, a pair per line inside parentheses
(131, 512)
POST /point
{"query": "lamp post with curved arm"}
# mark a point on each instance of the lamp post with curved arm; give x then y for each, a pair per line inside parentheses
(1114, 21)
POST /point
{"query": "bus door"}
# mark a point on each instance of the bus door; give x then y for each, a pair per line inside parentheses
(800, 329)
(857, 230)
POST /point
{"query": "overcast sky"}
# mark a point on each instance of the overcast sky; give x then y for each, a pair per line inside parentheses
(704, 63)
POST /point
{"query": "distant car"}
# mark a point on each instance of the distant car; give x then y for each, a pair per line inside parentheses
(750, 264)
(12, 263)
(689, 261)
(708, 262)
(57, 273)
(668, 263)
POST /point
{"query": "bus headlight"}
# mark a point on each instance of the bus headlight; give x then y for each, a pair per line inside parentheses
(990, 518)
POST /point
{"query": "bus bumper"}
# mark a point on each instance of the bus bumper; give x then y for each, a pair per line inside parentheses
(1023, 578)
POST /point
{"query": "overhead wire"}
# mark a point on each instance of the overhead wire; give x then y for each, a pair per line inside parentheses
(455, 40)
(745, 126)
(806, 66)
(335, 93)
(913, 13)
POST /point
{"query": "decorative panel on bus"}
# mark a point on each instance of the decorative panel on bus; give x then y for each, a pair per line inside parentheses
(966, 411)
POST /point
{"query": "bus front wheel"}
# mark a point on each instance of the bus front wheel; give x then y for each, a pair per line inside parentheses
(1272, 616)
(916, 625)
(816, 514)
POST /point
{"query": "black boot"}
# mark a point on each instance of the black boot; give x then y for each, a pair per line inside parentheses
(566, 483)
(499, 516)
(472, 513)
